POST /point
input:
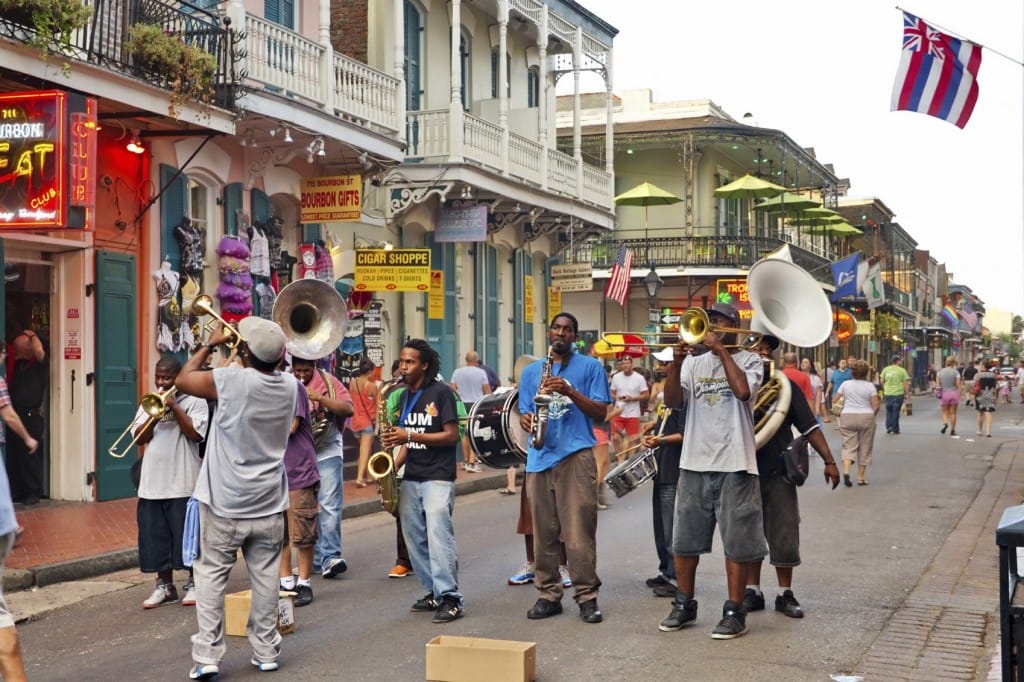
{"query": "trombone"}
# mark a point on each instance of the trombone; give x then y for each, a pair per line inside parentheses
(203, 305)
(693, 327)
(153, 404)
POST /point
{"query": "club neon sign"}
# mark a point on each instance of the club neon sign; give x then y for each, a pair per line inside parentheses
(47, 160)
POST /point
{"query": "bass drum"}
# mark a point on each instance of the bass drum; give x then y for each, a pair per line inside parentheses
(494, 431)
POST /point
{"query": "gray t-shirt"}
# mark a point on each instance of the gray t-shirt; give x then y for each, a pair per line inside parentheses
(171, 463)
(947, 378)
(719, 427)
(243, 475)
(470, 381)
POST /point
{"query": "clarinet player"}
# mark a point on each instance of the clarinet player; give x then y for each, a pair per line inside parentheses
(561, 474)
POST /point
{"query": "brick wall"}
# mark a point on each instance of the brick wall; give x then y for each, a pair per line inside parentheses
(349, 28)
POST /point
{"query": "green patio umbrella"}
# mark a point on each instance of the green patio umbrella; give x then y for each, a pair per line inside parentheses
(787, 202)
(645, 194)
(835, 228)
(749, 187)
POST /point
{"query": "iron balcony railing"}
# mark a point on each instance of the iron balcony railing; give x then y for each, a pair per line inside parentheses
(104, 40)
(686, 252)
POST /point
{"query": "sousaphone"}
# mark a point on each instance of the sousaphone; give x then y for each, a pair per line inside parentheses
(313, 317)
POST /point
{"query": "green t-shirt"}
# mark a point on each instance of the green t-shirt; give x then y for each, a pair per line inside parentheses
(893, 377)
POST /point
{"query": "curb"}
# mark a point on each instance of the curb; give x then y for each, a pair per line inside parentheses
(15, 579)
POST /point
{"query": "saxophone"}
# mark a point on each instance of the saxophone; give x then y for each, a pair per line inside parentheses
(542, 401)
(381, 465)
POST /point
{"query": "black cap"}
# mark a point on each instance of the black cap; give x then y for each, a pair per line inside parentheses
(725, 310)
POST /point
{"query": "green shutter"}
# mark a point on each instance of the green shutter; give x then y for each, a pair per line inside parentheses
(311, 234)
(518, 319)
(491, 325)
(172, 211)
(441, 334)
(546, 318)
(260, 206)
(232, 200)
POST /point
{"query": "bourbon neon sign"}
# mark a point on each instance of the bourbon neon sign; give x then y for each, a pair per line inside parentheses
(47, 160)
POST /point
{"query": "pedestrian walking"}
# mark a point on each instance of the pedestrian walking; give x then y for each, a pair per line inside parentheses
(949, 385)
(985, 398)
(857, 421)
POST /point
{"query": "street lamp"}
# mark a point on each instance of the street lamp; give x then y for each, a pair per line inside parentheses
(653, 283)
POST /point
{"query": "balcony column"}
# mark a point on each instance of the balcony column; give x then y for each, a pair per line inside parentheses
(542, 103)
(577, 130)
(503, 82)
(398, 67)
(609, 125)
(236, 12)
(455, 111)
(326, 58)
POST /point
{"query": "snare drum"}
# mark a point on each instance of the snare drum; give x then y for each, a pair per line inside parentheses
(494, 431)
(631, 474)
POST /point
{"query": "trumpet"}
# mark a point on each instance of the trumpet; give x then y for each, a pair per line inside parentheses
(695, 325)
(203, 305)
(153, 404)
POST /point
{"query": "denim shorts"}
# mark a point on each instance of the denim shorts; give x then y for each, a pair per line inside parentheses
(368, 431)
(781, 520)
(730, 499)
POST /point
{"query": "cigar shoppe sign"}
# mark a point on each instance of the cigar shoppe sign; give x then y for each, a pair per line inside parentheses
(47, 160)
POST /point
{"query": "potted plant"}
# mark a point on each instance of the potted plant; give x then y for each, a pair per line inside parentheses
(186, 70)
(52, 21)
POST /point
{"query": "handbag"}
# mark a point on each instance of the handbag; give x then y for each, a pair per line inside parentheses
(837, 404)
(976, 388)
(938, 392)
(796, 461)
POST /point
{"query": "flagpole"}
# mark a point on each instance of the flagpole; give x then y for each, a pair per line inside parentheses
(960, 36)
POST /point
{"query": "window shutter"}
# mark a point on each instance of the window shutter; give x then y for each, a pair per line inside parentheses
(172, 211)
(232, 200)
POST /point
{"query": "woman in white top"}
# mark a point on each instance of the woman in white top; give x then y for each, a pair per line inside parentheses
(817, 386)
(857, 421)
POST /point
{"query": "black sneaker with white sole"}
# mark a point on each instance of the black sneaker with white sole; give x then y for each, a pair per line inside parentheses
(733, 623)
(449, 610)
(753, 601)
(425, 603)
(787, 604)
(684, 612)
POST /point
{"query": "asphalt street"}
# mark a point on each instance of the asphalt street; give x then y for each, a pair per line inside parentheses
(864, 549)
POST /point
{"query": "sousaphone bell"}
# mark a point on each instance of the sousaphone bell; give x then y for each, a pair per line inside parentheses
(313, 317)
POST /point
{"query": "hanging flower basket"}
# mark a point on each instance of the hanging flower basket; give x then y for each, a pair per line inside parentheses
(167, 59)
(53, 22)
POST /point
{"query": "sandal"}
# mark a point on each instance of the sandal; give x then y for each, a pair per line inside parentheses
(862, 482)
(360, 483)
(506, 491)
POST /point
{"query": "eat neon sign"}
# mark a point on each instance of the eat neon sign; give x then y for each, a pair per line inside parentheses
(47, 160)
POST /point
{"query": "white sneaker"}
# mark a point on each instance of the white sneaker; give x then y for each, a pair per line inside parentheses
(264, 667)
(566, 580)
(190, 595)
(163, 594)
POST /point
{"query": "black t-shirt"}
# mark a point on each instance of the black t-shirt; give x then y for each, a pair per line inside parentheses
(668, 454)
(28, 384)
(799, 415)
(429, 411)
(970, 373)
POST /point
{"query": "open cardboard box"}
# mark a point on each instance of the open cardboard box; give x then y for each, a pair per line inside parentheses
(470, 659)
(236, 612)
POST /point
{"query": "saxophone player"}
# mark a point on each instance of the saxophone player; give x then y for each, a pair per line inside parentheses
(561, 474)
(330, 405)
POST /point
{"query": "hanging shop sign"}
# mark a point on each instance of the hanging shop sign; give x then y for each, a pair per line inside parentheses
(334, 198)
(47, 160)
(435, 298)
(734, 292)
(573, 277)
(392, 270)
(529, 310)
(461, 224)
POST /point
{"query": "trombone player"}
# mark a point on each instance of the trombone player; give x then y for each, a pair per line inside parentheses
(241, 489)
(170, 465)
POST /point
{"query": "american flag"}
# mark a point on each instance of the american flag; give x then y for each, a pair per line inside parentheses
(937, 74)
(617, 288)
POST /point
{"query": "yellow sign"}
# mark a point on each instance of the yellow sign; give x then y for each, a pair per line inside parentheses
(528, 309)
(554, 300)
(332, 198)
(435, 299)
(392, 270)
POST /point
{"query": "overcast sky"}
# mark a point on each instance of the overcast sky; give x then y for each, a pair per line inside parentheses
(823, 73)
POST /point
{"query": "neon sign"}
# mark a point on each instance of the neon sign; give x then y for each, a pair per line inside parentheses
(47, 160)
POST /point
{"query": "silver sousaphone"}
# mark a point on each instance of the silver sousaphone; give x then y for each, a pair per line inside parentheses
(313, 317)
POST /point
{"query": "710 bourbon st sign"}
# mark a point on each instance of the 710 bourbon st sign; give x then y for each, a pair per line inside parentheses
(47, 160)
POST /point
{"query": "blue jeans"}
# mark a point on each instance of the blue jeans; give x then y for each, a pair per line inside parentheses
(425, 509)
(893, 404)
(328, 544)
(663, 506)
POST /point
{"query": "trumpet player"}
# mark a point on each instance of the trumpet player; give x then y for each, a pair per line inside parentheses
(561, 474)
(170, 465)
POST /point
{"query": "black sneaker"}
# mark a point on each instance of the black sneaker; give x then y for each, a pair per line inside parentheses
(449, 610)
(656, 580)
(786, 603)
(752, 601)
(425, 603)
(684, 612)
(590, 613)
(303, 595)
(733, 623)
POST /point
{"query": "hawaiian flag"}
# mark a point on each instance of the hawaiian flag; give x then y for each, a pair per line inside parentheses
(617, 288)
(937, 74)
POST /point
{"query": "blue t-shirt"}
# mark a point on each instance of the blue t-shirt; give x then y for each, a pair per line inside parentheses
(568, 430)
(838, 377)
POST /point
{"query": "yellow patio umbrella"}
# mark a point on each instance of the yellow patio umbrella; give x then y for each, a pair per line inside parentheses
(645, 194)
(749, 187)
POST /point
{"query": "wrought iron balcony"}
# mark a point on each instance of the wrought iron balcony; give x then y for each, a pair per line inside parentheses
(691, 252)
(104, 40)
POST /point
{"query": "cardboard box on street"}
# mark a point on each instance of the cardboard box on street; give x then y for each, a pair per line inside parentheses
(469, 659)
(236, 612)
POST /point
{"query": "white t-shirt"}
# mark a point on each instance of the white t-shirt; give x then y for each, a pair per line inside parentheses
(817, 386)
(719, 427)
(628, 387)
(171, 462)
(1020, 376)
(858, 396)
(470, 381)
(243, 475)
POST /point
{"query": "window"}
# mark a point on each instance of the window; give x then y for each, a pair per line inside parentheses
(465, 66)
(495, 75)
(413, 56)
(533, 87)
(280, 12)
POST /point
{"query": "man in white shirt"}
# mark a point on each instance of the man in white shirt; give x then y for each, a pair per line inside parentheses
(1019, 378)
(629, 389)
(471, 383)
